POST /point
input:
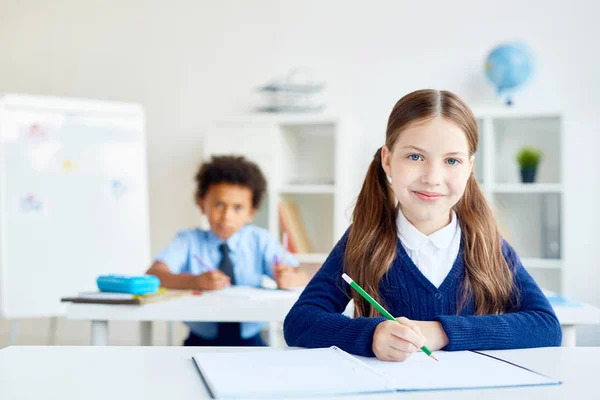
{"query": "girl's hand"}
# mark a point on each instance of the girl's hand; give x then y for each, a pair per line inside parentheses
(393, 341)
(434, 333)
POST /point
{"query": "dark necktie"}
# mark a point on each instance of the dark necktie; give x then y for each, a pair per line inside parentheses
(228, 332)
(226, 266)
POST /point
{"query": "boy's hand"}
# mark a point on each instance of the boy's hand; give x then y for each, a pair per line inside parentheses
(393, 341)
(288, 277)
(213, 280)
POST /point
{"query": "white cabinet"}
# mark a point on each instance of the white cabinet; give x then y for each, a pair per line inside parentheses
(529, 214)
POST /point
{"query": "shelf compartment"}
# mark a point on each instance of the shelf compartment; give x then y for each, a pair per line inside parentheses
(549, 279)
(512, 134)
(531, 223)
(316, 215)
(307, 155)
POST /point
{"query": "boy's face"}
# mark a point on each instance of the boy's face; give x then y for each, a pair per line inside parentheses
(228, 208)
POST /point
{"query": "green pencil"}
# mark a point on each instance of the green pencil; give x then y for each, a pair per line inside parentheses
(379, 308)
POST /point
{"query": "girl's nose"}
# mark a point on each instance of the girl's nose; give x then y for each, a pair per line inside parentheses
(432, 175)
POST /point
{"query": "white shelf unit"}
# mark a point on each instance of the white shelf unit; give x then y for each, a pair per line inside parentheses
(306, 159)
(530, 215)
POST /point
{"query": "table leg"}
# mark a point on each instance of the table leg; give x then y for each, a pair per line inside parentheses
(274, 336)
(52, 330)
(99, 333)
(12, 334)
(169, 333)
(146, 333)
(569, 336)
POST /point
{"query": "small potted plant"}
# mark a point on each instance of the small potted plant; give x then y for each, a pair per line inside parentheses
(528, 159)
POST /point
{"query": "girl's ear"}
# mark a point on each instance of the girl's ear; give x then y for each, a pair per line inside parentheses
(386, 160)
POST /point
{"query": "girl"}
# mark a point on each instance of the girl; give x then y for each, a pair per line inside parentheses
(424, 243)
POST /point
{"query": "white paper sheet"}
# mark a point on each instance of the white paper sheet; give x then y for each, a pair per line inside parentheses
(306, 372)
(455, 370)
(277, 373)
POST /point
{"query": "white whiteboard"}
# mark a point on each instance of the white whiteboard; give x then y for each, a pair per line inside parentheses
(73, 199)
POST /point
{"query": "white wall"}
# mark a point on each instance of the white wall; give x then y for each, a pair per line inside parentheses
(189, 62)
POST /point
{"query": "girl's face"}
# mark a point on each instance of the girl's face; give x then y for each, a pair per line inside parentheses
(429, 167)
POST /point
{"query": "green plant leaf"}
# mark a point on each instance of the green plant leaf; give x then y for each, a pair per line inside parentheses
(529, 157)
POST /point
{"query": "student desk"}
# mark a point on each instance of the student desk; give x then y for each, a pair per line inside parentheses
(158, 373)
(212, 306)
(208, 307)
(571, 316)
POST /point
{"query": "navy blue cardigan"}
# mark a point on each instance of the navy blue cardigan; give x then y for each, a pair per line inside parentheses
(316, 320)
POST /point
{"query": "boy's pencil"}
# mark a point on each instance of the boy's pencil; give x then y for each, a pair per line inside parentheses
(205, 265)
(285, 242)
(279, 259)
(379, 308)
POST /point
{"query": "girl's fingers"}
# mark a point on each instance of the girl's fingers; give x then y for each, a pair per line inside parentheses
(405, 332)
(396, 355)
(402, 345)
(415, 327)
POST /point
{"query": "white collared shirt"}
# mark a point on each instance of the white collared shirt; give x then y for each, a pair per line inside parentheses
(435, 254)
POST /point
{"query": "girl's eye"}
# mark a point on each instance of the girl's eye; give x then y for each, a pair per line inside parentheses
(414, 157)
(453, 161)
(238, 208)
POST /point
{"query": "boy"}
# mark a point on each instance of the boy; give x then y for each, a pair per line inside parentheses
(229, 192)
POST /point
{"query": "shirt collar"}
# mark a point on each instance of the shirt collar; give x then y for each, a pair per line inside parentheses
(412, 238)
(233, 242)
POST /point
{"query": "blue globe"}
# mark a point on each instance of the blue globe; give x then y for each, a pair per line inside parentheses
(508, 67)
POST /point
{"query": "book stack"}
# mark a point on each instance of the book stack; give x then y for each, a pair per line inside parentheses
(291, 222)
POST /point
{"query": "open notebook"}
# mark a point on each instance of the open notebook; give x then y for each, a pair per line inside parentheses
(328, 371)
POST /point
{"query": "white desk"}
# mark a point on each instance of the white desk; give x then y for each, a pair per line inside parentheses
(272, 307)
(212, 306)
(159, 373)
(570, 317)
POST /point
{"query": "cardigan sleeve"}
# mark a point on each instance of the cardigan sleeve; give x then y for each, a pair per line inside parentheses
(531, 322)
(316, 319)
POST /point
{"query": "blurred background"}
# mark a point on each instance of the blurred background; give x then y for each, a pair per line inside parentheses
(191, 63)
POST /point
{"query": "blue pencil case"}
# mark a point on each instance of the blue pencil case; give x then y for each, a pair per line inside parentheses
(144, 284)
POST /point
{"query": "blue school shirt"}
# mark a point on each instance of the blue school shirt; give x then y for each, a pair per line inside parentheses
(316, 320)
(252, 252)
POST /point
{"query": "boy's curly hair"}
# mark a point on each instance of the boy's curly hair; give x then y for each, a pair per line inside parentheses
(235, 170)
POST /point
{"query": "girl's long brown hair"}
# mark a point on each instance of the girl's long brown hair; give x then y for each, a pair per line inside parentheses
(372, 241)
